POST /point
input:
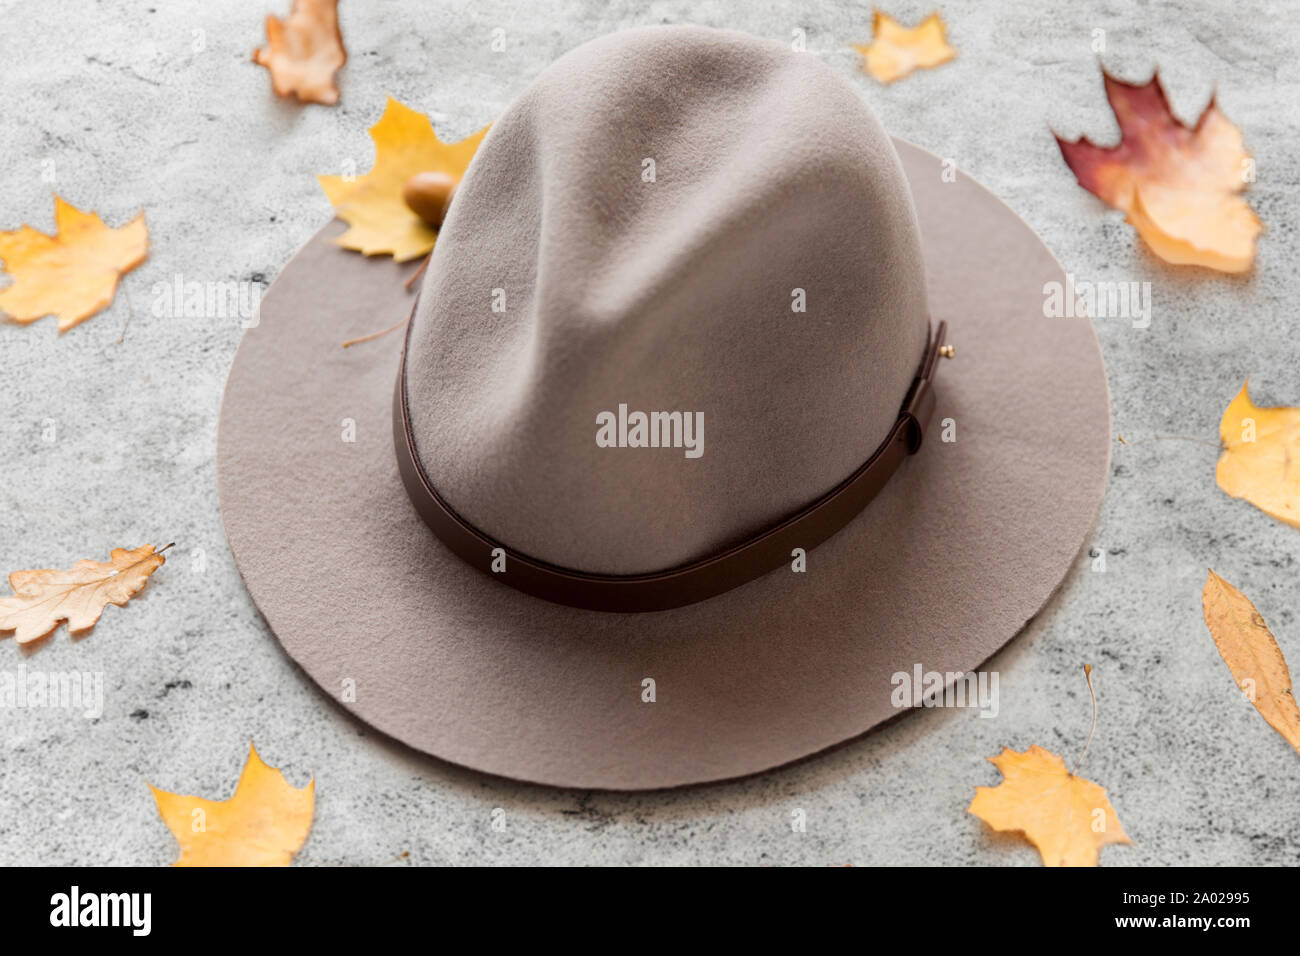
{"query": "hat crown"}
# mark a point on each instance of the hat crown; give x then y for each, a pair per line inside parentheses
(673, 220)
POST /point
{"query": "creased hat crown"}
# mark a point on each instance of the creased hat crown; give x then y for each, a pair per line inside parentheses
(670, 219)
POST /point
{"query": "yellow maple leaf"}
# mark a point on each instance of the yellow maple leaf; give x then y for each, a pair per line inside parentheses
(896, 50)
(1261, 456)
(1249, 649)
(1178, 185)
(42, 599)
(71, 274)
(1069, 819)
(381, 222)
(305, 51)
(265, 822)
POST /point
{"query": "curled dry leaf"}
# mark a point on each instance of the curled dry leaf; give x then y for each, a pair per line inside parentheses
(72, 274)
(1261, 457)
(1251, 653)
(1069, 819)
(896, 51)
(305, 51)
(265, 823)
(1178, 185)
(42, 599)
(381, 221)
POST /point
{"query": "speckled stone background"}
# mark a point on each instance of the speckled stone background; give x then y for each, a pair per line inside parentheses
(137, 104)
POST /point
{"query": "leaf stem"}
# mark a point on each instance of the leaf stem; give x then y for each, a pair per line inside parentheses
(374, 335)
(415, 276)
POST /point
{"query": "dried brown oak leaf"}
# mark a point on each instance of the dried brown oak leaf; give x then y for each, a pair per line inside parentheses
(305, 51)
(42, 599)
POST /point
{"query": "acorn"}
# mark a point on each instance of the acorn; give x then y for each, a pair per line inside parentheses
(428, 195)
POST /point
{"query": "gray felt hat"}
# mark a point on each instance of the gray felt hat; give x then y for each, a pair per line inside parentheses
(666, 481)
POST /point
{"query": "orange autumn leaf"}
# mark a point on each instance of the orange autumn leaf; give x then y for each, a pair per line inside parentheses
(1249, 649)
(1261, 457)
(1179, 186)
(896, 51)
(372, 205)
(265, 822)
(43, 599)
(72, 274)
(1067, 818)
(305, 51)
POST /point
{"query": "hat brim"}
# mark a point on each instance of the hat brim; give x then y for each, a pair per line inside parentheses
(960, 550)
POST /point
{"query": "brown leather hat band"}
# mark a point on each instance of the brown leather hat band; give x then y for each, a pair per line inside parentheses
(661, 590)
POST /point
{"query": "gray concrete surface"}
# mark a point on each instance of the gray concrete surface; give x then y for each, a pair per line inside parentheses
(144, 104)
